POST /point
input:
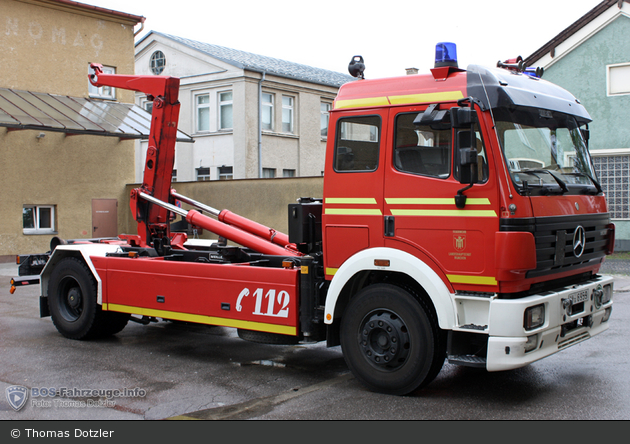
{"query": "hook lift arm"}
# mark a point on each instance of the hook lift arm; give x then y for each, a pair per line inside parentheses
(152, 203)
(153, 220)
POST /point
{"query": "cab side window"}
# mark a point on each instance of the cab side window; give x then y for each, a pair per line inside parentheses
(423, 148)
(357, 144)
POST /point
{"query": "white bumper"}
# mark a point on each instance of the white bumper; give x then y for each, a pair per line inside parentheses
(508, 337)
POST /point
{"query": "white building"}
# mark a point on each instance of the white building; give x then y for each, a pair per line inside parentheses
(250, 115)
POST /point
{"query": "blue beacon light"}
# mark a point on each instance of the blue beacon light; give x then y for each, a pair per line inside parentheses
(445, 54)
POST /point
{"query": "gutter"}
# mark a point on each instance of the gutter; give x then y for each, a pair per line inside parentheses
(260, 82)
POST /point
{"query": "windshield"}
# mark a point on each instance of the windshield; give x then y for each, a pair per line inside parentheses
(545, 152)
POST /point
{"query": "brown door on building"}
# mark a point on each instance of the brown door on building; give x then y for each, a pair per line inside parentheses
(104, 218)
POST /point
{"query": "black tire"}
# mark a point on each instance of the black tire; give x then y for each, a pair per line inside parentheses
(72, 303)
(391, 341)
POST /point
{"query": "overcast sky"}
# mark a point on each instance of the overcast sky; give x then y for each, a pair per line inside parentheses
(390, 35)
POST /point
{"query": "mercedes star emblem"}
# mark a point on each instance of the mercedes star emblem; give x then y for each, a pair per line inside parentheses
(579, 241)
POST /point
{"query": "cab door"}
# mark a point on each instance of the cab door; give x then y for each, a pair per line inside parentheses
(352, 216)
(419, 190)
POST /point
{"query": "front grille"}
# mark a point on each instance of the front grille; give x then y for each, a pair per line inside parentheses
(574, 340)
(554, 241)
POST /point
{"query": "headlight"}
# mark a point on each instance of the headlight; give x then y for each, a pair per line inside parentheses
(602, 295)
(607, 314)
(608, 291)
(532, 342)
(534, 317)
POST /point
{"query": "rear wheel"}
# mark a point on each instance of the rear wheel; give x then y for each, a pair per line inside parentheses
(390, 341)
(72, 303)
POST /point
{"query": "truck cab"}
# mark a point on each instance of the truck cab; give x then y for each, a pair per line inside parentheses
(474, 191)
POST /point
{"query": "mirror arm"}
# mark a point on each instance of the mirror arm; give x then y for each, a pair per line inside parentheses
(460, 197)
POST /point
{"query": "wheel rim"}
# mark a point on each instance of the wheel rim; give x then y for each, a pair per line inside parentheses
(70, 299)
(384, 340)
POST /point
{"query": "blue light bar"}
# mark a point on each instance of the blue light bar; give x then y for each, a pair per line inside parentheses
(445, 54)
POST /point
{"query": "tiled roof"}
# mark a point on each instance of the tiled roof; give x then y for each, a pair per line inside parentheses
(270, 65)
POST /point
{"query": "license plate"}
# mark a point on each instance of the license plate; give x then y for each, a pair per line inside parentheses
(580, 296)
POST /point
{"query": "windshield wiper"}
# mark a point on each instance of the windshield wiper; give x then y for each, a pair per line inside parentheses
(562, 184)
(596, 183)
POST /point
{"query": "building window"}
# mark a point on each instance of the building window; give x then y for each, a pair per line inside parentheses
(267, 111)
(225, 110)
(38, 219)
(203, 174)
(287, 114)
(148, 106)
(225, 173)
(325, 112)
(619, 79)
(269, 173)
(174, 176)
(613, 172)
(157, 62)
(103, 92)
(288, 173)
(203, 112)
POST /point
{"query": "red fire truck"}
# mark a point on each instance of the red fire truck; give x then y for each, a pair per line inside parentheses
(461, 220)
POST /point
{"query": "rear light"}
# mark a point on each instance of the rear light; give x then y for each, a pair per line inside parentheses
(534, 317)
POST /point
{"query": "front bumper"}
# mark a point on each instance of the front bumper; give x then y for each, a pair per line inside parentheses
(564, 324)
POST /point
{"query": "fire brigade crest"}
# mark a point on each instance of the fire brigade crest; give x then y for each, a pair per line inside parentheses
(459, 241)
(17, 396)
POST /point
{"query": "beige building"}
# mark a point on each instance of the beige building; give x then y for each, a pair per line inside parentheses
(250, 115)
(65, 159)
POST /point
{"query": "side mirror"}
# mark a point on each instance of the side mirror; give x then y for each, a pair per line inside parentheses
(585, 135)
(463, 117)
(463, 121)
(466, 156)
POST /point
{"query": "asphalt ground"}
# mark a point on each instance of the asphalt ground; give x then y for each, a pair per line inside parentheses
(207, 373)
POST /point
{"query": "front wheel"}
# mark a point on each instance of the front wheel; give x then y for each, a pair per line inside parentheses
(391, 341)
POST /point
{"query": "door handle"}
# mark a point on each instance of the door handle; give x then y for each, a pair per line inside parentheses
(389, 226)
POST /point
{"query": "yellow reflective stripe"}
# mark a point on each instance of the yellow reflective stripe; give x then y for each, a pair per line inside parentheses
(446, 96)
(202, 319)
(479, 280)
(331, 271)
(351, 200)
(359, 103)
(354, 211)
(434, 201)
(445, 213)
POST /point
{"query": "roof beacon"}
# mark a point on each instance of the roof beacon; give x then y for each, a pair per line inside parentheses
(445, 54)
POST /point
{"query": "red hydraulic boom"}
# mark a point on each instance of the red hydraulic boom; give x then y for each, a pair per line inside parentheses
(151, 203)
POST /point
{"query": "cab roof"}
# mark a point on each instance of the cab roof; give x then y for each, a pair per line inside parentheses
(411, 89)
